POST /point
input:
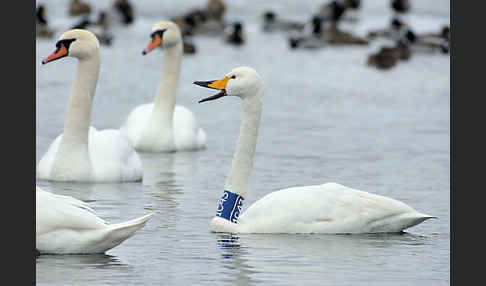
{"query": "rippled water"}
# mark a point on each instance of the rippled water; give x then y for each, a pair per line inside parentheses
(326, 117)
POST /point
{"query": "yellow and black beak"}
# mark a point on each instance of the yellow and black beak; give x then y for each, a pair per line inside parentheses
(154, 42)
(219, 84)
(60, 52)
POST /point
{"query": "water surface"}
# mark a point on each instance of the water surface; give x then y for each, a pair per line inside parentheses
(326, 118)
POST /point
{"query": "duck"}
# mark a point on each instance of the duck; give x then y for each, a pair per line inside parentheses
(66, 225)
(271, 23)
(163, 126)
(185, 24)
(400, 6)
(124, 9)
(343, 10)
(81, 153)
(235, 35)
(332, 12)
(385, 58)
(395, 31)
(200, 22)
(77, 7)
(215, 10)
(320, 37)
(426, 44)
(389, 56)
(403, 51)
(340, 37)
(41, 25)
(328, 208)
(353, 4)
(444, 34)
(98, 27)
(316, 39)
(189, 47)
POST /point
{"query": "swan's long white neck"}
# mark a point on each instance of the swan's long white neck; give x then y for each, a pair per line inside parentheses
(159, 134)
(78, 120)
(167, 90)
(238, 181)
(74, 143)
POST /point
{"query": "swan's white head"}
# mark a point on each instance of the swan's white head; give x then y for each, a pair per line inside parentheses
(241, 81)
(165, 34)
(76, 43)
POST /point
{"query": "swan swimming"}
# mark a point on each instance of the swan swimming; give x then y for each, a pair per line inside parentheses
(82, 153)
(65, 225)
(163, 126)
(327, 208)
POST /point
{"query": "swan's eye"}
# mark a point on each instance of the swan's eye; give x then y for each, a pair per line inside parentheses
(233, 76)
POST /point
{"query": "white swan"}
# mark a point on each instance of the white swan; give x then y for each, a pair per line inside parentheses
(327, 208)
(65, 225)
(163, 126)
(82, 153)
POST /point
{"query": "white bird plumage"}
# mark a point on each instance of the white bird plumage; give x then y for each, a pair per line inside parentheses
(163, 126)
(327, 208)
(65, 225)
(82, 153)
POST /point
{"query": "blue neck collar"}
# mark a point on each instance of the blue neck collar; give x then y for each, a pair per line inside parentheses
(229, 206)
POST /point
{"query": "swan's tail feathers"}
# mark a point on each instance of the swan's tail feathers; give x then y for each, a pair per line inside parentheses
(119, 232)
(413, 219)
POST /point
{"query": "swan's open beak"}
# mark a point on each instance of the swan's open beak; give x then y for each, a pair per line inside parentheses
(154, 43)
(219, 84)
(60, 52)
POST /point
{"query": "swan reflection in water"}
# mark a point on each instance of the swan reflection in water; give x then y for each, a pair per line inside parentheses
(68, 267)
(98, 260)
(323, 253)
(234, 260)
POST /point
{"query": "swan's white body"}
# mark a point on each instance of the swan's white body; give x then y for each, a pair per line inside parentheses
(186, 133)
(327, 208)
(111, 154)
(81, 153)
(65, 225)
(163, 126)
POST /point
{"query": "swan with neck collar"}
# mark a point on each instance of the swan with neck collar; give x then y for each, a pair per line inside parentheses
(65, 225)
(327, 208)
(82, 153)
(163, 126)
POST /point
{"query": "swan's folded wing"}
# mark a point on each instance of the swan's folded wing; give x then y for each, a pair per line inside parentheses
(54, 212)
(327, 208)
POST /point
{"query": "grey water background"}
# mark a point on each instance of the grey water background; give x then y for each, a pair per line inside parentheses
(326, 118)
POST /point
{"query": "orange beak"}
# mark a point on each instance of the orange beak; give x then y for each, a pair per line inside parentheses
(155, 42)
(57, 54)
(219, 84)
(215, 84)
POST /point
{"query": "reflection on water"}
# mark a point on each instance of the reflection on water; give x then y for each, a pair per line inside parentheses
(158, 169)
(84, 260)
(73, 268)
(283, 254)
(330, 119)
(229, 244)
(234, 260)
(91, 192)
